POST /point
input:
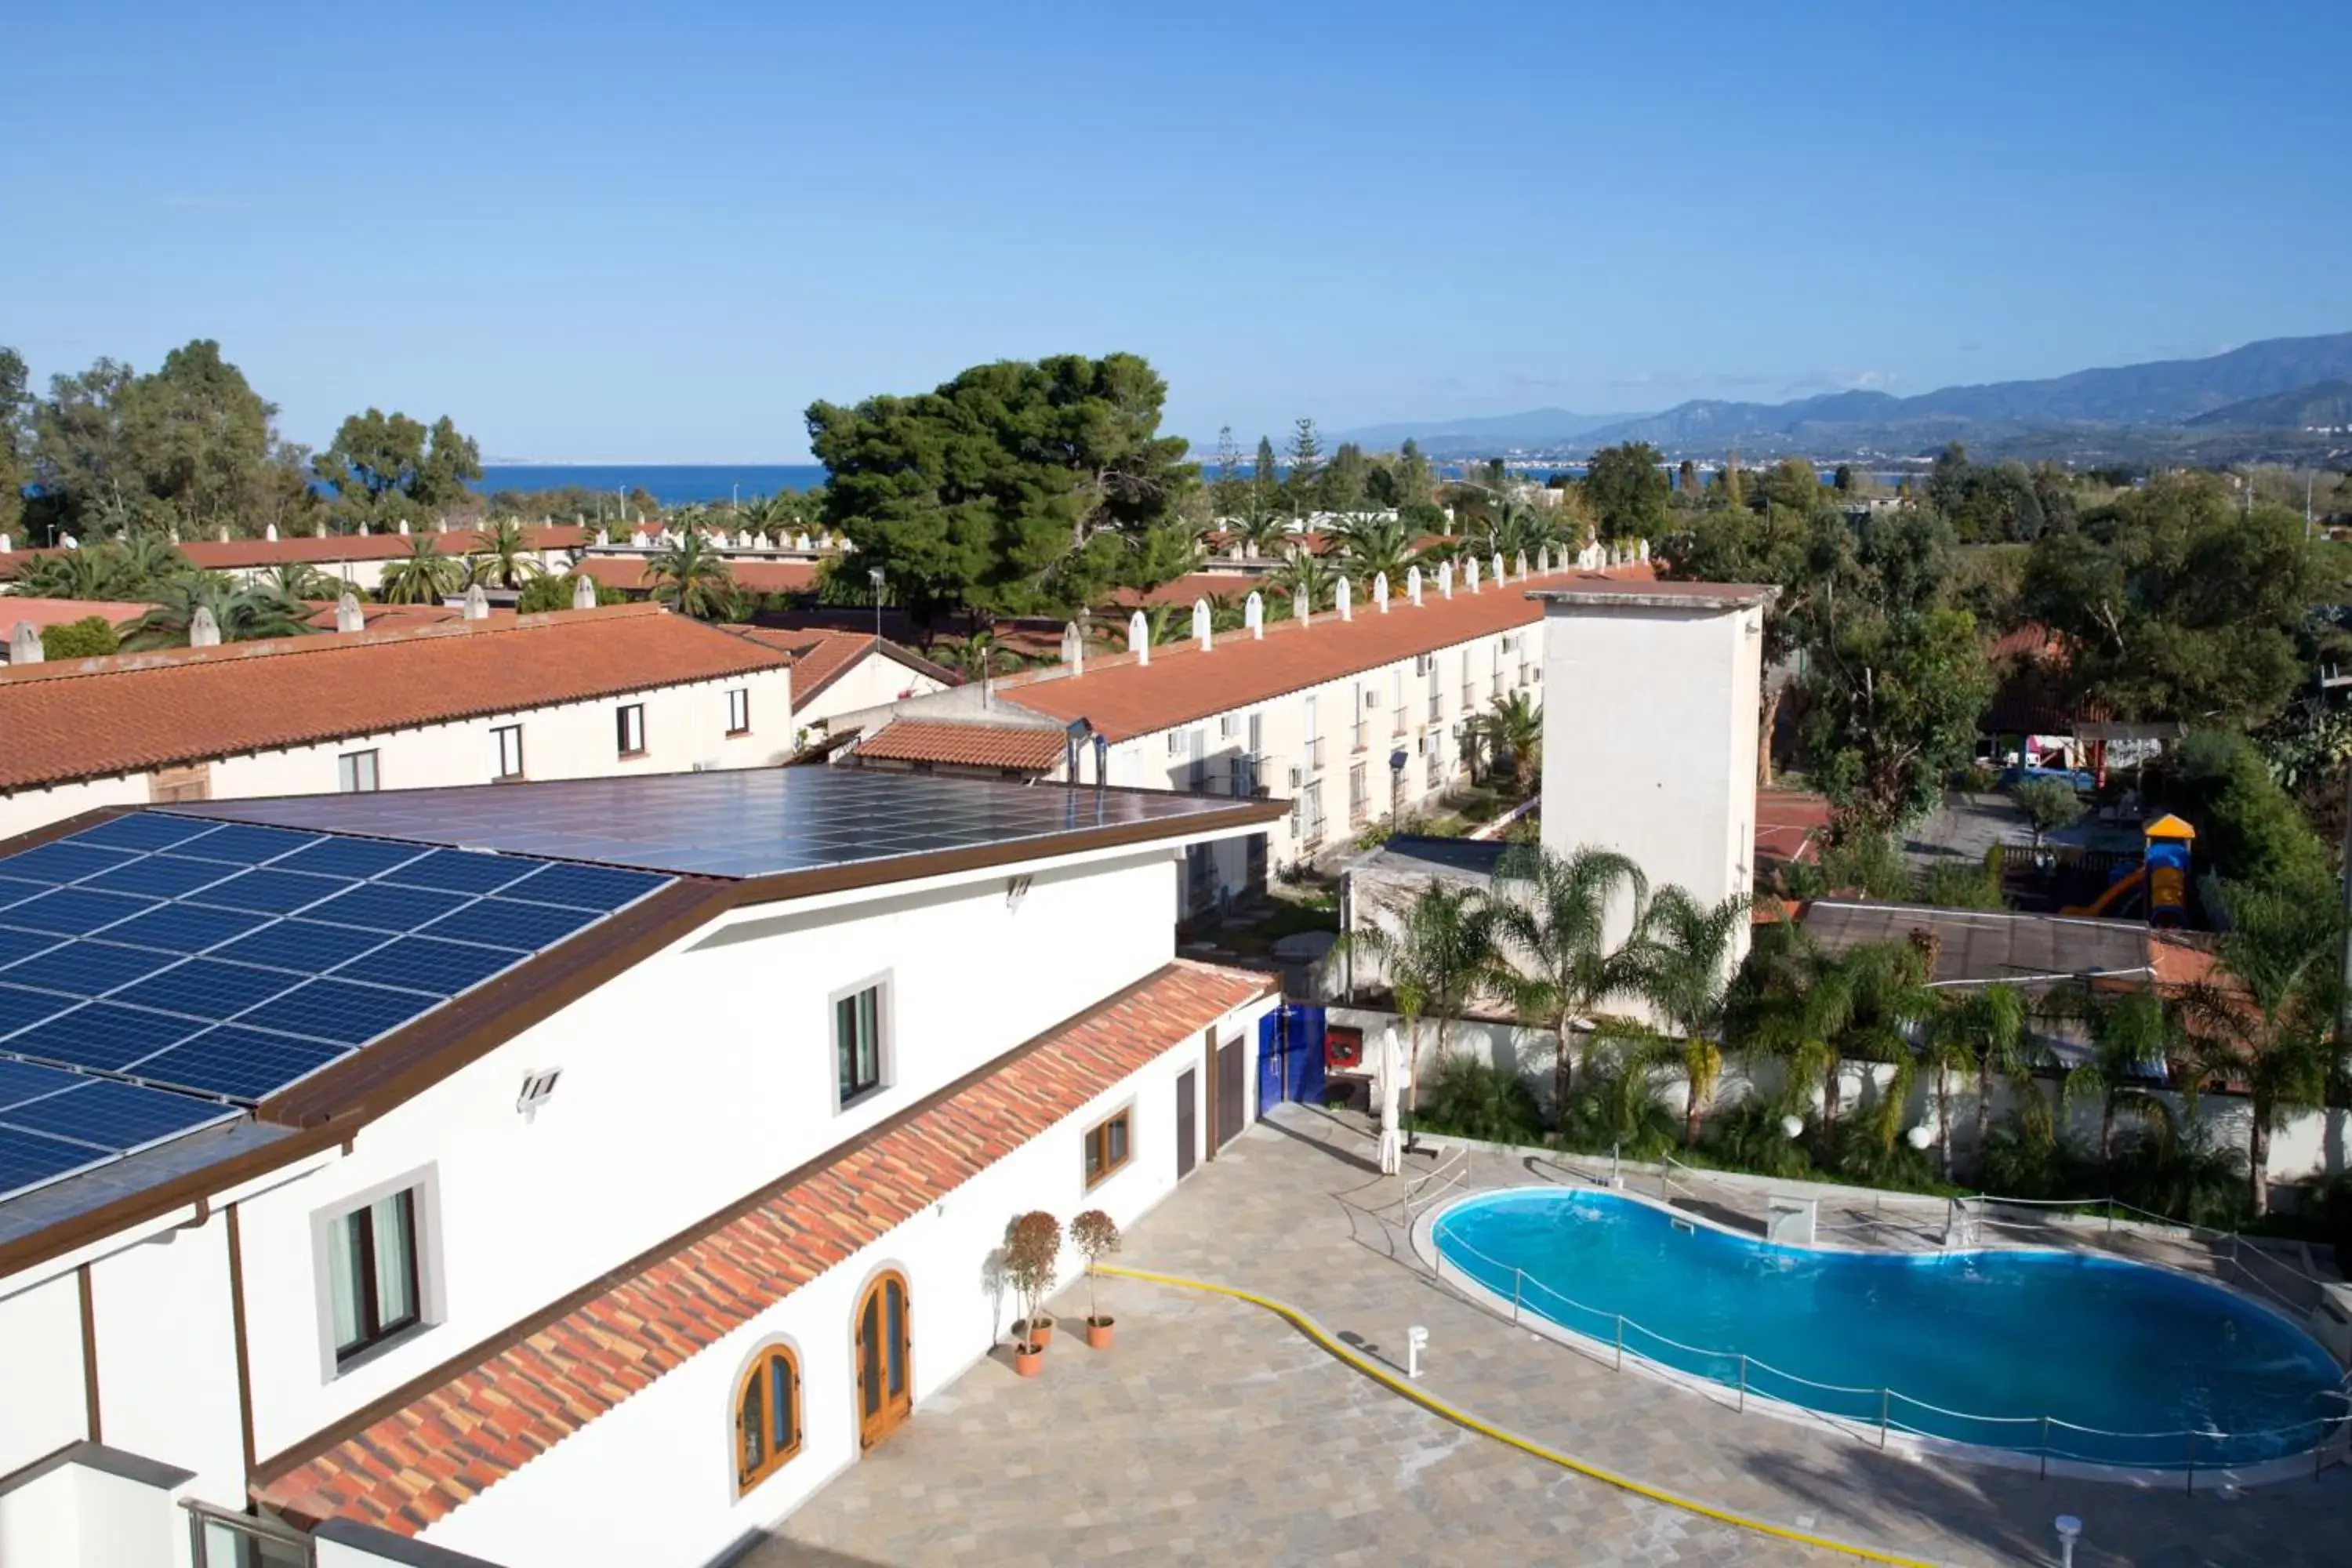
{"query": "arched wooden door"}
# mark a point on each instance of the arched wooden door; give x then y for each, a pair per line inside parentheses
(886, 1376)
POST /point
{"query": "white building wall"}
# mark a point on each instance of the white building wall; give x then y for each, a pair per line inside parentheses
(875, 682)
(686, 725)
(669, 1447)
(42, 1403)
(167, 1356)
(689, 1082)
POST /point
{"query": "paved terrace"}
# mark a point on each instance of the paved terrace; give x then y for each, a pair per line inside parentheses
(1214, 1432)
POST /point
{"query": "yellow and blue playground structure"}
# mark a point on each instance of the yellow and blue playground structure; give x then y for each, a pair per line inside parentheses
(2156, 884)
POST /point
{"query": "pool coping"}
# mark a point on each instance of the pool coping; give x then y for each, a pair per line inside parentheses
(1911, 1446)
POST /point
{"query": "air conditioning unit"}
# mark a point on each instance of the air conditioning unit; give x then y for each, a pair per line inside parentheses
(1371, 699)
(707, 766)
(1296, 778)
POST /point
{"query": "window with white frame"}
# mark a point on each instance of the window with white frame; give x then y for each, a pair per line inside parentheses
(1356, 719)
(861, 1018)
(355, 772)
(1229, 726)
(1469, 684)
(738, 711)
(629, 729)
(1176, 743)
(1360, 795)
(506, 752)
(1396, 701)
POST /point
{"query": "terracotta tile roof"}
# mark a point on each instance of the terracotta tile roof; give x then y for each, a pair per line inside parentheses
(630, 574)
(16, 608)
(232, 554)
(481, 1422)
(128, 713)
(821, 655)
(965, 745)
(1122, 699)
(1236, 585)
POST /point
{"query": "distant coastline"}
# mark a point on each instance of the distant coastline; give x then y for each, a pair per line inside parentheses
(671, 484)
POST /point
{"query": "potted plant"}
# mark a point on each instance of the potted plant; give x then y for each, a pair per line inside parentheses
(1095, 1235)
(1033, 1245)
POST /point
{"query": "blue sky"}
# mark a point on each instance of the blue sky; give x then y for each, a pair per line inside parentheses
(658, 232)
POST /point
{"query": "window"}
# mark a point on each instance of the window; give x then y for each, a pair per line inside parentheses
(1469, 684)
(355, 772)
(1396, 701)
(1108, 1146)
(1359, 796)
(225, 1540)
(372, 1278)
(1309, 814)
(1356, 724)
(1229, 726)
(505, 744)
(1256, 734)
(629, 723)
(1436, 694)
(1424, 664)
(767, 1416)
(857, 1022)
(1176, 743)
(738, 711)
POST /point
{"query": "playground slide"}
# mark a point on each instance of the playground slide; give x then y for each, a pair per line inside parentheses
(2122, 891)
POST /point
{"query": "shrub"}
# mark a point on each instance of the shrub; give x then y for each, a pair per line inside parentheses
(2048, 804)
(1749, 1137)
(1033, 1246)
(551, 592)
(1864, 1157)
(1957, 885)
(1095, 1235)
(1616, 1103)
(89, 638)
(1472, 1099)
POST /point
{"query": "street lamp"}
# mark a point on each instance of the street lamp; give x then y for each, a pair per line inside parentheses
(874, 575)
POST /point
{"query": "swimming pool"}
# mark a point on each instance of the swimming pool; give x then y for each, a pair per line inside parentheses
(2098, 1359)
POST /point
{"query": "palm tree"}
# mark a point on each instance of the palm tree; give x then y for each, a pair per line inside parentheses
(1551, 913)
(2269, 1021)
(423, 576)
(1260, 526)
(1372, 543)
(692, 578)
(2133, 1039)
(298, 580)
(1689, 950)
(503, 557)
(1983, 1031)
(94, 571)
(1309, 571)
(1440, 956)
(978, 656)
(242, 615)
(151, 558)
(1512, 528)
(1512, 727)
(1812, 1011)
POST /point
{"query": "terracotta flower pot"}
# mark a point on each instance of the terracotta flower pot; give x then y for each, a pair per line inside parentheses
(1040, 1333)
(1099, 1333)
(1028, 1359)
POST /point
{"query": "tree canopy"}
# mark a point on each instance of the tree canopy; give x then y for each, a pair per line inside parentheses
(1629, 491)
(386, 468)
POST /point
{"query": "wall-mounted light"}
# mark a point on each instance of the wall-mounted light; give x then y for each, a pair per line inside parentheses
(537, 1087)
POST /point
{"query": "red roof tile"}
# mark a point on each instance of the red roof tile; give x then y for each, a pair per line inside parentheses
(630, 574)
(15, 608)
(483, 1421)
(233, 555)
(94, 718)
(1122, 698)
(821, 656)
(965, 745)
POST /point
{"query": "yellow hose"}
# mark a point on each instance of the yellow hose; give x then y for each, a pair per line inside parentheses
(1455, 1414)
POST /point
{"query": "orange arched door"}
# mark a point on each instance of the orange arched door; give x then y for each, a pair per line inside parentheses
(886, 1373)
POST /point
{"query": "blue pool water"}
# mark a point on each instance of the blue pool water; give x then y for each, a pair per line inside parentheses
(2132, 1365)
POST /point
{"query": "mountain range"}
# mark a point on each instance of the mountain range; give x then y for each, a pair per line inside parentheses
(2274, 385)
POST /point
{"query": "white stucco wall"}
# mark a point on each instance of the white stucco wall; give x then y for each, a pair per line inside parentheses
(43, 1407)
(684, 725)
(875, 682)
(167, 1356)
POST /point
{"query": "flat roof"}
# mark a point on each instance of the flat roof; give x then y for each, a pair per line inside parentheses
(1980, 947)
(1613, 593)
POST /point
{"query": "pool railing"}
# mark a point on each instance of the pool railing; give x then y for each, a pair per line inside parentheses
(1868, 1411)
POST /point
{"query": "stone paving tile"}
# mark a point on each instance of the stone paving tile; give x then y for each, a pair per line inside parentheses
(1213, 1431)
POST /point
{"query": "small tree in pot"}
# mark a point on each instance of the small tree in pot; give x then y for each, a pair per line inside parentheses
(1095, 1235)
(1033, 1246)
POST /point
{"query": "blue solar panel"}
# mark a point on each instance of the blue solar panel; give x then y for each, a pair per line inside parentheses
(28, 1160)
(247, 845)
(272, 892)
(504, 924)
(116, 1117)
(208, 988)
(385, 908)
(335, 1010)
(348, 856)
(102, 1036)
(141, 830)
(86, 968)
(62, 860)
(421, 963)
(302, 945)
(16, 944)
(587, 887)
(237, 1063)
(164, 875)
(20, 1007)
(463, 871)
(16, 890)
(71, 912)
(21, 1081)
(184, 928)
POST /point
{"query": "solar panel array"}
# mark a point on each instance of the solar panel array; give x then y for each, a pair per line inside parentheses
(158, 971)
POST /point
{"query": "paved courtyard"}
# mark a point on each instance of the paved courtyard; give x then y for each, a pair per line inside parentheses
(1214, 1431)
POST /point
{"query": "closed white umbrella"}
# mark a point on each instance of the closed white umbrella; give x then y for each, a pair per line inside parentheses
(1392, 1087)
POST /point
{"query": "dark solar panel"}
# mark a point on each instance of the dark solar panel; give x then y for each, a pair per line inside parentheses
(501, 922)
(586, 886)
(161, 875)
(336, 1010)
(208, 988)
(271, 892)
(350, 857)
(421, 963)
(101, 1034)
(86, 968)
(184, 928)
(71, 912)
(245, 845)
(236, 1063)
(20, 1008)
(29, 1160)
(462, 871)
(16, 890)
(62, 860)
(21, 1081)
(16, 944)
(116, 1117)
(302, 945)
(142, 830)
(383, 908)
